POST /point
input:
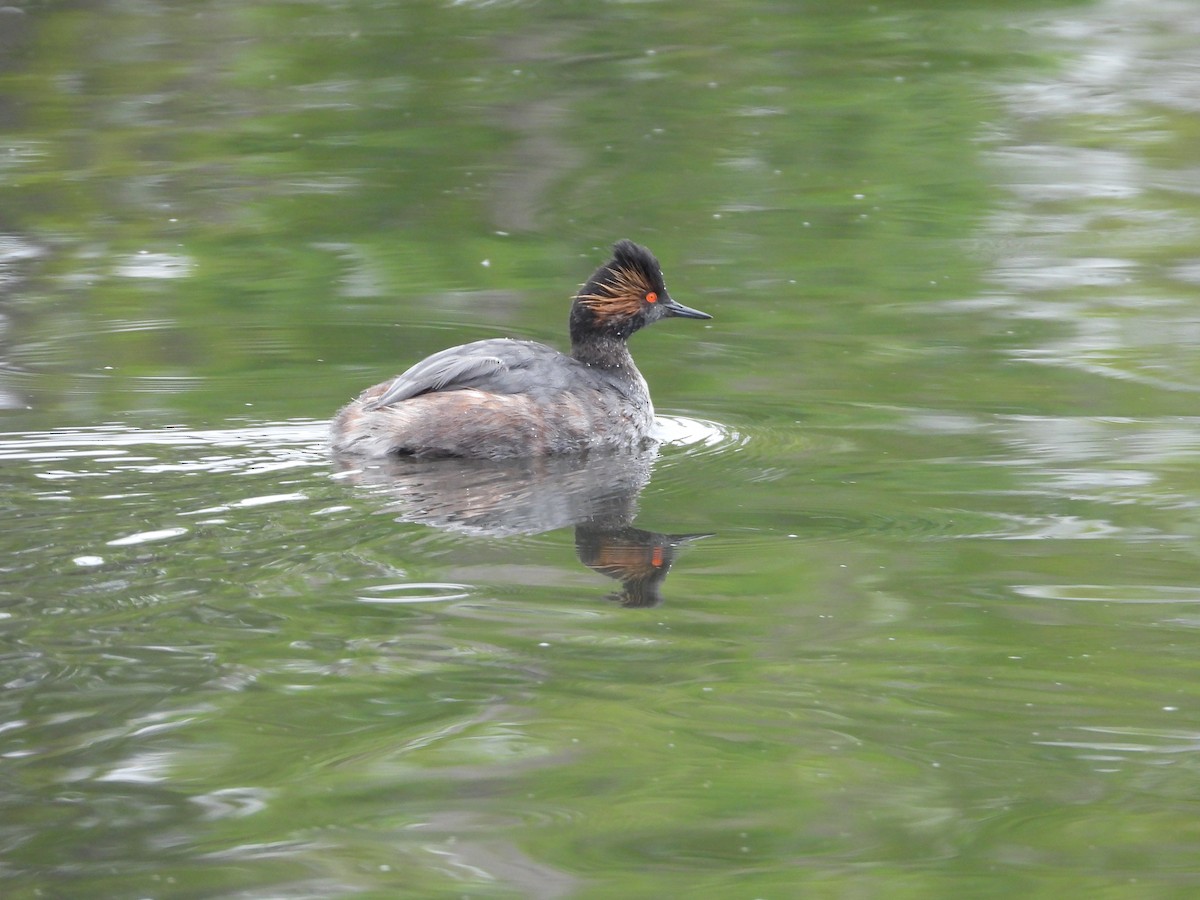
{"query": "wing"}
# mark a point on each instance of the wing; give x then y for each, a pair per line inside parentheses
(481, 364)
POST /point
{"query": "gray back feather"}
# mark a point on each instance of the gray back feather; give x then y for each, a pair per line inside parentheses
(476, 365)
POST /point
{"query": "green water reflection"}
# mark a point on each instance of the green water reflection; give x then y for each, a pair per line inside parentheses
(940, 439)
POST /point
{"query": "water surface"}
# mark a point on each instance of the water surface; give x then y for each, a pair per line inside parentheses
(903, 604)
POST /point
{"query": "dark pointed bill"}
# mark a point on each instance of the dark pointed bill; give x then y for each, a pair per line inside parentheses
(675, 308)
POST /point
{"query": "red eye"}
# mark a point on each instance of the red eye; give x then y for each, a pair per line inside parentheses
(652, 297)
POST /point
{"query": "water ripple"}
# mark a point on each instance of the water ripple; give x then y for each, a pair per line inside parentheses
(415, 592)
(147, 537)
(698, 436)
(1111, 593)
(1112, 743)
(275, 445)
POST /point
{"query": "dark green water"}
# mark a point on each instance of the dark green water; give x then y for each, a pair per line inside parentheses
(942, 438)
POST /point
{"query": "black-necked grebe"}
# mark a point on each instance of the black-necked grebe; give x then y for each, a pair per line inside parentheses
(505, 398)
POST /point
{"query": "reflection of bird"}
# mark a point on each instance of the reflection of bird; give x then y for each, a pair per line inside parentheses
(596, 493)
(503, 398)
(639, 559)
(507, 496)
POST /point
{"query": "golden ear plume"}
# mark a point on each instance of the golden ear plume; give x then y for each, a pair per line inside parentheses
(624, 290)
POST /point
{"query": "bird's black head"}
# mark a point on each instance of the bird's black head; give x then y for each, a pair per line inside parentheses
(624, 294)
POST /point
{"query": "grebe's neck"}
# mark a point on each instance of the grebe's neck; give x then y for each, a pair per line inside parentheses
(603, 352)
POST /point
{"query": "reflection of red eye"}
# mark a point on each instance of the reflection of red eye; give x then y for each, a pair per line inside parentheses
(652, 297)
